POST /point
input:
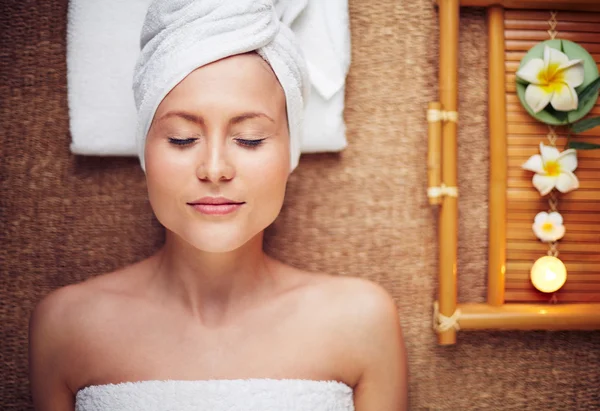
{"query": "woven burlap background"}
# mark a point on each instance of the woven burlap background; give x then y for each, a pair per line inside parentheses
(362, 213)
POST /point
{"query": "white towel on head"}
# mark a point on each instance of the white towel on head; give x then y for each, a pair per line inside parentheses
(103, 45)
(178, 36)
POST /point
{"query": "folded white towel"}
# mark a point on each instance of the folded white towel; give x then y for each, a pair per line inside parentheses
(103, 46)
(217, 395)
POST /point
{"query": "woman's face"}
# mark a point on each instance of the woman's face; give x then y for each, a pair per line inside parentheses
(217, 154)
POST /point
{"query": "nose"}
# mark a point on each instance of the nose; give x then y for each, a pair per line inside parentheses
(214, 164)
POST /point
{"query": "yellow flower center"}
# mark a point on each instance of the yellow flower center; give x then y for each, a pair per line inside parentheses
(547, 227)
(551, 75)
(552, 168)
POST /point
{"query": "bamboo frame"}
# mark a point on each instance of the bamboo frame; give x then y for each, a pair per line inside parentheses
(529, 317)
(498, 166)
(434, 153)
(448, 216)
(576, 5)
(495, 314)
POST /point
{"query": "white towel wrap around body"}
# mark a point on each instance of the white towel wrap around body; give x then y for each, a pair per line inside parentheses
(218, 395)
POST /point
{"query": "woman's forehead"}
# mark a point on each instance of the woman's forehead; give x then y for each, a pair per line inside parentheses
(248, 67)
(244, 79)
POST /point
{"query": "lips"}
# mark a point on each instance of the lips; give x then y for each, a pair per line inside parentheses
(215, 201)
(216, 205)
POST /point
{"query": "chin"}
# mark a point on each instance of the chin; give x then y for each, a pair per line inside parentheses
(217, 234)
(221, 238)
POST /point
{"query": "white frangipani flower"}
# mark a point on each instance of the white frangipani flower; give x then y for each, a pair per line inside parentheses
(552, 80)
(548, 227)
(553, 169)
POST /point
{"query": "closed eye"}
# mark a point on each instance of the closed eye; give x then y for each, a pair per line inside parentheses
(181, 141)
(250, 143)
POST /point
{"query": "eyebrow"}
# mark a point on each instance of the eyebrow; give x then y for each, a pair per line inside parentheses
(200, 120)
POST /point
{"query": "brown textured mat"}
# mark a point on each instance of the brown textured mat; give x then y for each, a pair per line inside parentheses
(363, 212)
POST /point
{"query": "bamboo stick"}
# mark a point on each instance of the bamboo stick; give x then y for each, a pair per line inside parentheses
(518, 115)
(572, 277)
(543, 129)
(536, 296)
(571, 237)
(575, 267)
(514, 55)
(498, 165)
(448, 216)
(565, 256)
(527, 151)
(512, 98)
(591, 216)
(543, 15)
(581, 175)
(526, 183)
(593, 166)
(532, 194)
(585, 173)
(568, 248)
(538, 246)
(573, 227)
(511, 85)
(525, 45)
(581, 275)
(588, 159)
(520, 256)
(516, 107)
(576, 275)
(568, 288)
(561, 26)
(542, 205)
(583, 5)
(513, 66)
(542, 35)
(515, 140)
(434, 154)
(587, 168)
(519, 144)
(530, 316)
(576, 252)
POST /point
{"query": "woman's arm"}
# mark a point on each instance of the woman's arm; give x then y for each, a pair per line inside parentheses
(48, 340)
(382, 385)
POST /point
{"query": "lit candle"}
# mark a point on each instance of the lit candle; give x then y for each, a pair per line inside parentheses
(548, 274)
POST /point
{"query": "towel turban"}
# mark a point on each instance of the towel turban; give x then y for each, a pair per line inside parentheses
(179, 36)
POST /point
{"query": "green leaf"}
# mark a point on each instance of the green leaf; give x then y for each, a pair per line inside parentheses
(585, 124)
(579, 145)
(575, 51)
(588, 92)
(561, 116)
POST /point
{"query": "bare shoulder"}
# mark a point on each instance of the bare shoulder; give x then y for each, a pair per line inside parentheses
(364, 303)
(60, 317)
(359, 312)
(359, 319)
(64, 322)
(55, 326)
(56, 317)
(66, 310)
(367, 325)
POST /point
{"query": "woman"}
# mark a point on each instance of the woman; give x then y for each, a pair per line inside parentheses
(211, 322)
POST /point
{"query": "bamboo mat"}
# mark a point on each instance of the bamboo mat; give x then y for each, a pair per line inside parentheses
(361, 213)
(580, 247)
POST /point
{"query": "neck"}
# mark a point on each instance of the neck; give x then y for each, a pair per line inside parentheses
(214, 286)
